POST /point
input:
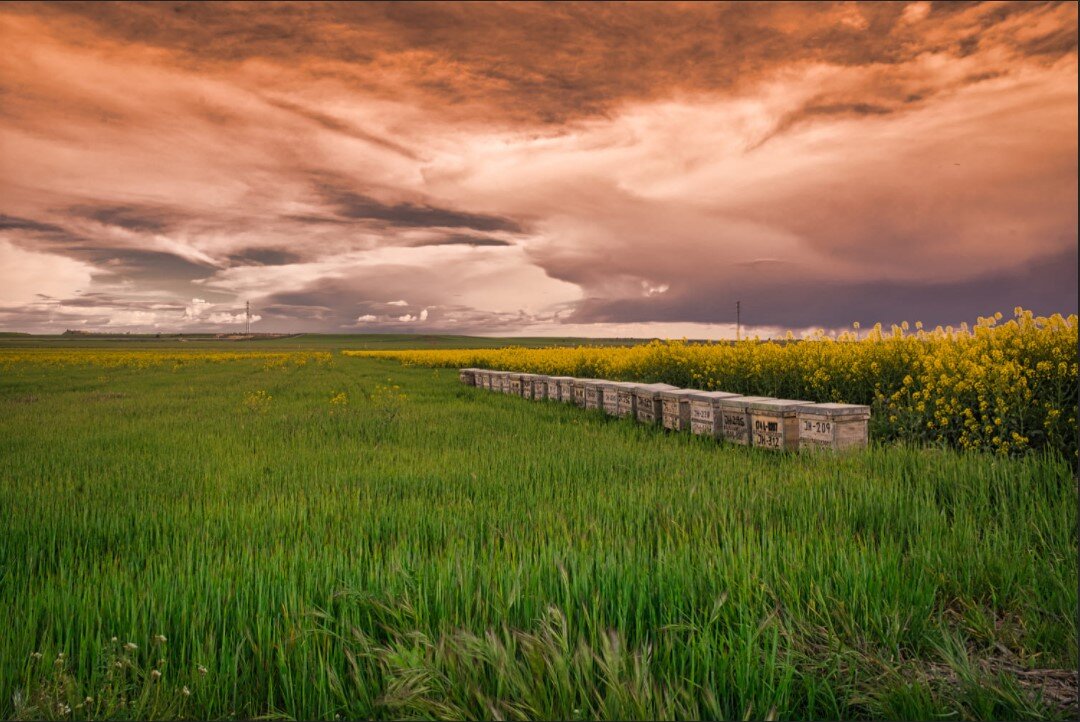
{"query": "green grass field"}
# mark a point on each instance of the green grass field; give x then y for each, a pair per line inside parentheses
(437, 551)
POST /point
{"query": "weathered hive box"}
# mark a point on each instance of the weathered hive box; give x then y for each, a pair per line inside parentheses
(648, 405)
(676, 408)
(478, 378)
(594, 393)
(627, 406)
(467, 376)
(581, 392)
(705, 412)
(527, 381)
(515, 384)
(555, 386)
(502, 381)
(566, 389)
(734, 423)
(833, 426)
(539, 386)
(610, 390)
(774, 423)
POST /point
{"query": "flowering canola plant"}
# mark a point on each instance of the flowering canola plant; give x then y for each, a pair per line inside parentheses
(1007, 387)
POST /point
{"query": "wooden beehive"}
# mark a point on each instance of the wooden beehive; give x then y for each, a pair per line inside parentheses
(581, 392)
(774, 423)
(515, 382)
(540, 382)
(648, 405)
(561, 388)
(594, 394)
(504, 381)
(627, 405)
(705, 412)
(610, 391)
(467, 376)
(676, 409)
(833, 426)
(734, 422)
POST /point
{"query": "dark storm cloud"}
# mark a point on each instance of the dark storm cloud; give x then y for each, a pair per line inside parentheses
(302, 312)
(263, 257)
(110, 300)
(461, 239)
(144, 265)
(13, 223)
(552, 62)
(774, 297)
(138, 218)
(348, 204)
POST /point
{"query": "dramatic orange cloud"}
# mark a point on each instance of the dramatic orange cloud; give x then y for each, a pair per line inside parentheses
(585, 168)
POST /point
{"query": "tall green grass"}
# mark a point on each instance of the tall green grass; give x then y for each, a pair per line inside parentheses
(459, 554)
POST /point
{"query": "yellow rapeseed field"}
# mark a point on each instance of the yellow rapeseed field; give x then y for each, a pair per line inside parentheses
(151, 358)
(1007, 387)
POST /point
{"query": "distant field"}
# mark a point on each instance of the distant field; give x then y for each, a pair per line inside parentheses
(298, 341)
(316, 535)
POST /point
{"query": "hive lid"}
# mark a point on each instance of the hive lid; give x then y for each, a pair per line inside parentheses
(676, 393)
(779, 405)
(655, 387)
(837, 410)
(561, 378)
(741, 402)
(712, 396)
(471, 370)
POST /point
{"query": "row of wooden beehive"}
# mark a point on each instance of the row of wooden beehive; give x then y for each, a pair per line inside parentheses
(778, 424)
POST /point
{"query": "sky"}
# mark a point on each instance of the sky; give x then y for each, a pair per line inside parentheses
(534, 168)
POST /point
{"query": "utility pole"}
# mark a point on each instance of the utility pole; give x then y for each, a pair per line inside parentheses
(738, 320)
(247, 318)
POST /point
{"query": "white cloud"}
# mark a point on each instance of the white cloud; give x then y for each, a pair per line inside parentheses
(230, 318)
(397, 303)
(29, 274)
(915, 12)
(423, 315)
(195, 309)
(366, 318)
